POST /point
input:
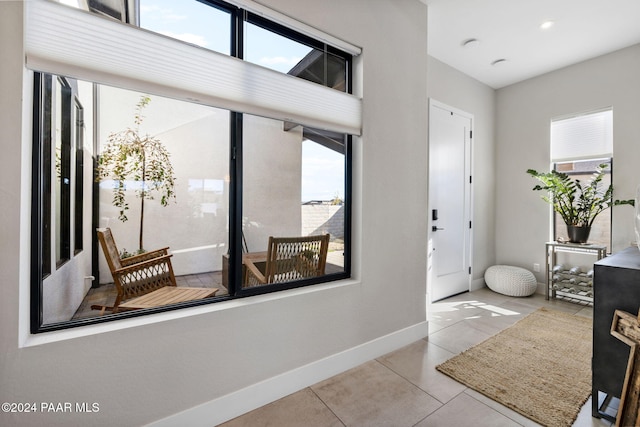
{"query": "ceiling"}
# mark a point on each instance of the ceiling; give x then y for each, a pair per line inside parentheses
(510, 30)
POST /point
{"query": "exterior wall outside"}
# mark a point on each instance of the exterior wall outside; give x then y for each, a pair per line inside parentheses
(272, 185)
(141, 370)
(64, 290)
(321, 219)
(525, 111)
(451, 87)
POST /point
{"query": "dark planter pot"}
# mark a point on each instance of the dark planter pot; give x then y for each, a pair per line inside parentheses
(578, 234)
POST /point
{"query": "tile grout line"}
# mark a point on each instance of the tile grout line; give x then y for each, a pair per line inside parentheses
(414, 384)
(326, 405)
(494, 409)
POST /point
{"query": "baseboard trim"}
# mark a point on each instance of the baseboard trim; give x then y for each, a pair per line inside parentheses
(477, 284)
(249, 398)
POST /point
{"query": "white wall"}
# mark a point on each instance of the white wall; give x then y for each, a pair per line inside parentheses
(524, 112)
(451, 87)
(14, 250)
(139, 372)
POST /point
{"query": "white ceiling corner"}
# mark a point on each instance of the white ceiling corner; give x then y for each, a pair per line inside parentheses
(510, 29)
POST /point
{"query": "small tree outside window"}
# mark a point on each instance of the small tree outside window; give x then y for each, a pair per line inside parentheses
(130, 156)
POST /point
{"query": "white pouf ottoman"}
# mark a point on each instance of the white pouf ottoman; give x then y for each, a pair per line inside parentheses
(511, 281)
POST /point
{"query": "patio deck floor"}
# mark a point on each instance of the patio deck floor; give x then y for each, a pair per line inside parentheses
(106, 294)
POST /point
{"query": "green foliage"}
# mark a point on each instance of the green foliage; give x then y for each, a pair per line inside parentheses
(130, 156)
(578, 204)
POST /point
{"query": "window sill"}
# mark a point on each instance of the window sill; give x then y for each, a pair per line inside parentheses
(31, 340)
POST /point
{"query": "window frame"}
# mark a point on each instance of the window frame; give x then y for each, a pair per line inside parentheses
(39, 192)
(557, 220)
(235, 259)
(326, 49)
(44, 234)
(63, 234)
(41, 167)
(78, 205)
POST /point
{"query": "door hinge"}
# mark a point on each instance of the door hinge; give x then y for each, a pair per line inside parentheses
(470, 179)
(470, 134)
(469, 224)
(469, 270)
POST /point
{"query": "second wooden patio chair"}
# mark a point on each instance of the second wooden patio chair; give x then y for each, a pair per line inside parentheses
(290, 258)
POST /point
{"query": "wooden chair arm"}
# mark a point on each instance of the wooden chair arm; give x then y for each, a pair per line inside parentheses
(144, 256)
(252, 270)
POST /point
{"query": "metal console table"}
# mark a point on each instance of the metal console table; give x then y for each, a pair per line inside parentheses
(570, 282)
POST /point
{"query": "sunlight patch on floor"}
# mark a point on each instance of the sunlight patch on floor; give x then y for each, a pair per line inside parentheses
(498, 311)
(442, 307)
(457, 306)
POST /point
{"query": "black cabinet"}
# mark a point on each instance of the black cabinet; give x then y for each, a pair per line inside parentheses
(616, 286)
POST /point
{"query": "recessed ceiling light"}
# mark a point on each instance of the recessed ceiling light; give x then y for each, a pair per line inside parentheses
(498, 62)
(470, 43)
(546, 25)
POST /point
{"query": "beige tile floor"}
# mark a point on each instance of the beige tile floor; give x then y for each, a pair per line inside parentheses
(404, 389)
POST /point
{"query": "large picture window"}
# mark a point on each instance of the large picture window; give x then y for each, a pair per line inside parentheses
(159, 203)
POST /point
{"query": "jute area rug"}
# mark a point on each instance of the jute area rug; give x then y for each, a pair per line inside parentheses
(539, 367)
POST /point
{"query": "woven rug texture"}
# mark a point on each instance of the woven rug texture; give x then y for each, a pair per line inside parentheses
(539, 367)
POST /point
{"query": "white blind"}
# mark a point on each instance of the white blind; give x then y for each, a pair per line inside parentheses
(78, 44)
(582, 137)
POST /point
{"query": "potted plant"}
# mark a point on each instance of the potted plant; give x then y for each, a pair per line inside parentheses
(132, 156)
(577, 204)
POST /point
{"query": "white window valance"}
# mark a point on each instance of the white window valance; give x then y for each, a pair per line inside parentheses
(75, 43)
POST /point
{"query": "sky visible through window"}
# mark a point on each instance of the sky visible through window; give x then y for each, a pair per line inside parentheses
(210, 28)
(189, 21)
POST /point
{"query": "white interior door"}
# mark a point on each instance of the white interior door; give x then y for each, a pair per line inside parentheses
(450, 133)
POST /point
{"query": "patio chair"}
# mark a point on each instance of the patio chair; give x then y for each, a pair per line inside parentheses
(290, 258)
(137, 275)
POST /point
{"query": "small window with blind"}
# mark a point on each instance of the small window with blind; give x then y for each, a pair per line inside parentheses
(579, 144)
